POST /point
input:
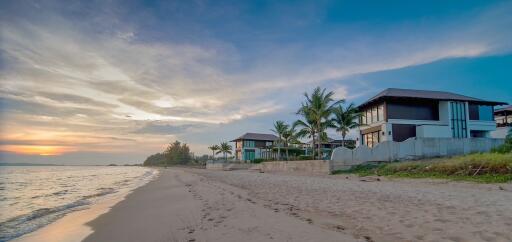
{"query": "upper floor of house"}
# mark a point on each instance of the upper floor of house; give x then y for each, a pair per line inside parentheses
(255, 140)
(398, 114)
(395, 104)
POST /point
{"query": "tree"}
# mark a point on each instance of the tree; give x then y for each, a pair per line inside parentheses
(307, 130)
(345, 119)
(225, 149)
(317, 109)
(214, 148)
(279, 129)
(177, 153)
(155, 159)
(290, 135)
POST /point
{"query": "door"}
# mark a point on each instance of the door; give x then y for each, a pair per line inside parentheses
(249, 155)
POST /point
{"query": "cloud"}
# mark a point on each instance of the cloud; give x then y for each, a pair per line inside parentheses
(163, 128)
(119, 75)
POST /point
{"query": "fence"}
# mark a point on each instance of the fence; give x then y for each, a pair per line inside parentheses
(410, 149)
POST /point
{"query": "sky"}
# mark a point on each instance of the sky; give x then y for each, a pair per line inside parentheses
(99, 82)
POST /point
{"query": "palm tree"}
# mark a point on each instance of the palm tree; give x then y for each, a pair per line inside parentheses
(318, 108)
(307, 130)
(214, 148)
(345, 119)
(225, 149)
(290, 135)
(279, 129)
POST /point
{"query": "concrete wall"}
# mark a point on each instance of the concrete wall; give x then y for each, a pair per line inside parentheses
(215, 166)
(305, 166)
(500, 132)
(413, 148)
(228, 166)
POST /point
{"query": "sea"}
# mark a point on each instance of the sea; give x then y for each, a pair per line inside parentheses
(32, 197)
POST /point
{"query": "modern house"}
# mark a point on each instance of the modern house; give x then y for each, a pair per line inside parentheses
(399, 114)
(252, 146)
(503, 117)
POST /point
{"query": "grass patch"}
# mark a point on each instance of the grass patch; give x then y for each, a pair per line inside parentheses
(480, 167)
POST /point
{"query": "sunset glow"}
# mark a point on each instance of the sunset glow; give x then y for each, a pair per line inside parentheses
(42, 150)
(97, 82)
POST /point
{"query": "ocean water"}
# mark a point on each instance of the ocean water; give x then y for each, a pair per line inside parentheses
(34, 196)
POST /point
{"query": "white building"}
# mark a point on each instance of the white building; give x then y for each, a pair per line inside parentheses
(503, 117)
(398, 114)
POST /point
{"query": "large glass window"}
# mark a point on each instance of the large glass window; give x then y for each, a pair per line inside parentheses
(480, 112)
(485, 113)
(363, 118)
(380, 111)
(371, 139)
(249, 143)
(374, 114)
(458, 119)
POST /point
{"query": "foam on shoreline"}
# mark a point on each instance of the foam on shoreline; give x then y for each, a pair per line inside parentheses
(72, 226)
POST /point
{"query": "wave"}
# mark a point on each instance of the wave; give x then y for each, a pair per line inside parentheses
(76, 195)
(26, 223)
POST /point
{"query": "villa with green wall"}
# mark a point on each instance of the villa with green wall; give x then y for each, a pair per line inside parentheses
(252, 146)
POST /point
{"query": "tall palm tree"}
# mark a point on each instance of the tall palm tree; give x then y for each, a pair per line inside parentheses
(318, 107)
(214, 148)
(279, 129)
(225, 149)
(290, 135)
(345, 119)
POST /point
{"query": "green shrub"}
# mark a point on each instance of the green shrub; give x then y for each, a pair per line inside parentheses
(305, 157)
(362, 170)
(482, 167)
(506, 147)
(258, 160)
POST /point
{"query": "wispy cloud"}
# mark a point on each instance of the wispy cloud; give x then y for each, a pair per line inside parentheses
(66, 77)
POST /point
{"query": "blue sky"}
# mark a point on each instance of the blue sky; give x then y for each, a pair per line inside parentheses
(113, 81)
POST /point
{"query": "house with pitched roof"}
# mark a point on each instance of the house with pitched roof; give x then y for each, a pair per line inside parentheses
(398, 114)
(252, 146)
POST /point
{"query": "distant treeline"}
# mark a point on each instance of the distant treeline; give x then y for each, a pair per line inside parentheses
(175, 154)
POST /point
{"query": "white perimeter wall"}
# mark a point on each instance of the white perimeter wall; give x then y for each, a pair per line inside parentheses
(433, 131)
(500, 132)
(413, 148)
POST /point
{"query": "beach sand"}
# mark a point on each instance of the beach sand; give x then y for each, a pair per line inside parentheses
(182, 206)
(203, 205)
(384, 209)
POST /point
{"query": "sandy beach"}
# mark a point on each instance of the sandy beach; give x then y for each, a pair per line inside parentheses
(183, 206)
(202, 205)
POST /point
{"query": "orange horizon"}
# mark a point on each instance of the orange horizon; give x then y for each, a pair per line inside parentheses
(42, 150)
